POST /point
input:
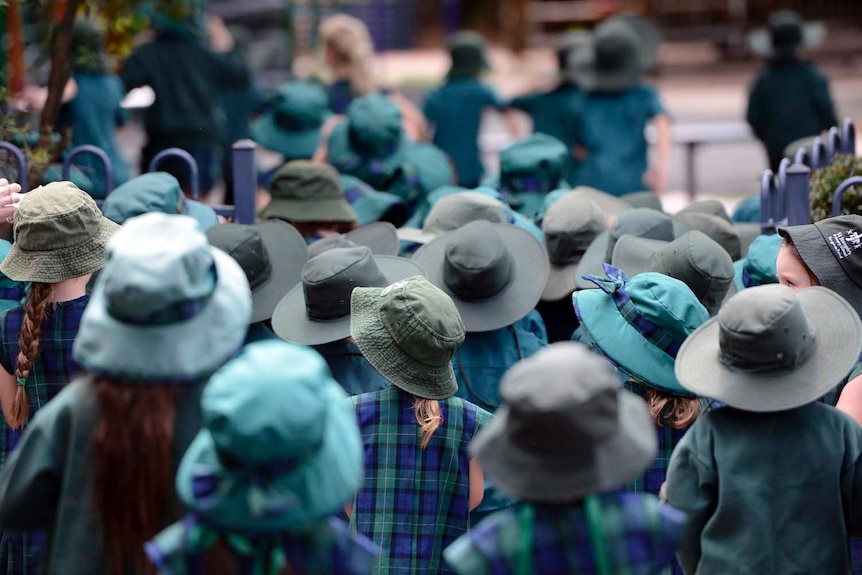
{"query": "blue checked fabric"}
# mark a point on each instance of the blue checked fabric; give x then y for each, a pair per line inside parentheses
(24, 553)
(639, 536)
(413, 503)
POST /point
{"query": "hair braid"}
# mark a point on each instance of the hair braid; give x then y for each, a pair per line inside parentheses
(28, 343)
(428, 417)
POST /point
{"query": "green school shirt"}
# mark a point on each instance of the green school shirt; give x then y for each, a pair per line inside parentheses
(611, 128)
(455, 109)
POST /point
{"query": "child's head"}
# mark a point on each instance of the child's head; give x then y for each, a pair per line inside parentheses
(467, 52)
(785, 35)
(349, 51)
(791, 269)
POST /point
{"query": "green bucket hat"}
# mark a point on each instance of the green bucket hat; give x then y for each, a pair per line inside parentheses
(408, 332)
(530, 169)
(304, 191)
(292, 126)
(616, 59)
(369, 143)
(167, 308)
(719, 229)
(694, 259)
(371, 205)
(758, 267)
(640, 324)
(467, 51)
(279, 449)
(60, 234)
(155, 192)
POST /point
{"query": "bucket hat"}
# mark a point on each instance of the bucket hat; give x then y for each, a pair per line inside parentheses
(292, 126)
(155, 192)
(380, 237)
(566, 429)
(747, 231)
(318, 310)
(831, 249)
(369, 143)
(495, 273)
(453, 212)
(531, 168)
(304, 191)
(467, 51)
(60, 234)
(409, 331)
(640, 324)
(167, 308)
(570, 43)
(570, 226)
(648, 200)
(640, 222)
(611, 205)
(786, 32)
(719, 229)
(279, 449)
(371, 205)
(615, 60)
(712, 207)
(270, 253)
(772, 349)
(694, 259)
(758, 267)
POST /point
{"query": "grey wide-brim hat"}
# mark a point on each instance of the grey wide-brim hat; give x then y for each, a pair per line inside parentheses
(615, 60)
(633, 254)
(529, 275)
(702, 365)
(380, 237)
(760, 40)
(646, 199)
(290, 320)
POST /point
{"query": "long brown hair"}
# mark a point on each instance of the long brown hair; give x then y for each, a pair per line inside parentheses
(310, 229)
(134, 469)
(673, 410)
(28, 343)
(221, 560)
(428, 417)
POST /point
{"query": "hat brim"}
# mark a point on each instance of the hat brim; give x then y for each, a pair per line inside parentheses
(287, 253)
(530, 269)
(184, 350)
(335, 210)
(290, 319)
(346, 160)
(319, 488)
(837, 343)
(608, 330)
(205, 215)
(60, 264)
(648, 200)
(633, 255)
(387, 358)
(561, 282)
(291, 145)
(593, 79)
(610, 205)
(760, 40)
(380, 237)
(416, 235)
(528, 475)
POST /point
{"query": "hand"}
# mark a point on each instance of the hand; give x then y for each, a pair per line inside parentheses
(10, 195)
(221, 39)
(656, 179)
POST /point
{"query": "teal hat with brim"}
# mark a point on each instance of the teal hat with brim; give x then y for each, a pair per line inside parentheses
(640, 324)
(372, 206)
(758, 267)
(425, 168)
(530, 169)
(292, 126)
(279, 449)
(10, 290)
(155, 192)
(747, 211)
(54, 173)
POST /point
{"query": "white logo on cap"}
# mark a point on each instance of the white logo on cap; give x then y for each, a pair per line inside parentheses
(395, 286)
(845, 243)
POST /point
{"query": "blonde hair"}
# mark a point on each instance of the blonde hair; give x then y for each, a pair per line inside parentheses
(673, 410)
(428, 417)
(29, 339)
(349, 40)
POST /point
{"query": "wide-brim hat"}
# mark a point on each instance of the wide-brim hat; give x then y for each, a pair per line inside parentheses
(811, 36)
(293, 145)
(836, 345)
(633, 254)
(524, 474)
(649, 200)
(380, 237)
(632, 60)
(290, 320)
(371, 205)
(529, 275)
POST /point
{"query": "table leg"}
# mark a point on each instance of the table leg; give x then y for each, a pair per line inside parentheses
(690, 182)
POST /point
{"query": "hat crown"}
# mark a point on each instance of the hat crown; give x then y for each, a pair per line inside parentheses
(327, 243)
(300, 106)
(422, 321)
(477, 264)
(764, 329)
(570, 225)
(374, 125)
(616, 44)
(329, 279)
(55, 216)
(667, 303)
(538, 156)
(152, 192)
(306, 181)
(719, 229)
(786, 29)
(761, 258)
(245, 245)
(643, 223)
(457, 210)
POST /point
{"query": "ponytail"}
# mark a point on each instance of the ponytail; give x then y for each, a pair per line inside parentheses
(28, 344)
(673, 410)
(428, 417)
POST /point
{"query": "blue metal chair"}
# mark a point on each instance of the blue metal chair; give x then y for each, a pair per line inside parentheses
(20, 160)
(839, 193)
(188, 159)
(107, 166)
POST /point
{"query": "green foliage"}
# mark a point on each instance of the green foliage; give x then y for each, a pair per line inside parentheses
(825, 181)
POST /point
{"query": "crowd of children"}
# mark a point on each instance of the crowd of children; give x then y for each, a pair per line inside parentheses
(409, 366)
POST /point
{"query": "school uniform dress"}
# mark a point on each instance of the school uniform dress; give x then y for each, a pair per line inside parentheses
(778, 120)
(640, 536)
(611, 128)
(455, 109)
(413, 503)
(47, 484)
(350, 368)
(328, 548)
(768, 492)
(340, 96)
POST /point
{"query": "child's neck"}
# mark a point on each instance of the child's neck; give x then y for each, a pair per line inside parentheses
(69, 290)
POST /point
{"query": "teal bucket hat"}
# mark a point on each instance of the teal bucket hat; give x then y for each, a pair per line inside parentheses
(467, 51)
(758, 267)
(530, 169)
(292, 126)
(369, 143)
(279, 449)
(11, 292)
(155, 192)
(640, 324)
(425, 168)
(167, 306)
(371, 205)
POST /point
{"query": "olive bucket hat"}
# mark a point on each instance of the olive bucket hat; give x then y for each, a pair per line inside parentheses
(772, 349)
(155, 192)
(168, 307)
(60, 234)
(565, 400)
(304, 191)
(408, 332)
(318, 310)
(292, 126)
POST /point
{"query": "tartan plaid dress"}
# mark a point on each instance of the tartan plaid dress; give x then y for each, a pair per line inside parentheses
(639, 535)
(413, 503)
(25, 553)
